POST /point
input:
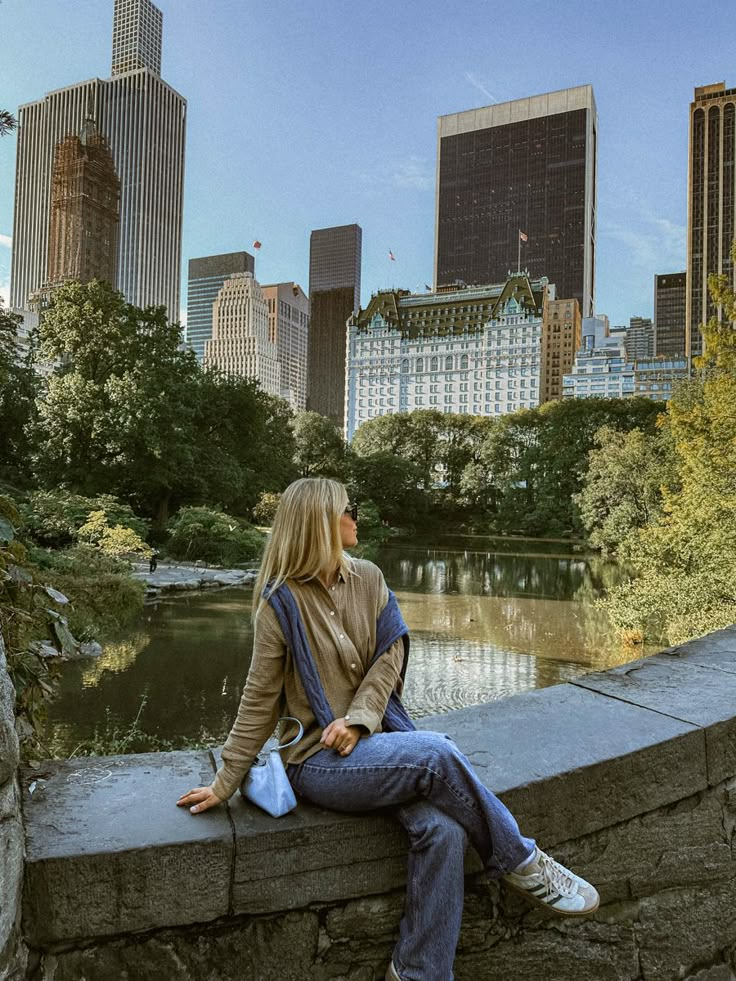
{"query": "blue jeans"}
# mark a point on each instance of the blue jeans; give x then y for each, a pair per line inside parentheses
(442, 804)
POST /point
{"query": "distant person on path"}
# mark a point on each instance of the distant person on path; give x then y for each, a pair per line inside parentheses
(360, 750)
(153, 564)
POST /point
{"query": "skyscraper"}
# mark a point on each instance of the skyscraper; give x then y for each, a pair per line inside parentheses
(206, 278)
(288, 328)
(561, 338)
(85, 196)
(240, 344)
(639, 338)
(519, 178)
(334, 294)
(143, 120)
(711, 210)
(670, 300)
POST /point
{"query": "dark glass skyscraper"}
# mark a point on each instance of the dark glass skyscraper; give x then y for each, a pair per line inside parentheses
(334, 294)
(711, 213)
(528, 167)
(206, 278)
(670, 296)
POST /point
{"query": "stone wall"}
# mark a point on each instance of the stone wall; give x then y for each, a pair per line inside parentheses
(12, 950)
(628, 776)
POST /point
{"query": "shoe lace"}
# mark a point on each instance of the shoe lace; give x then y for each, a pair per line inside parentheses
(556, 877)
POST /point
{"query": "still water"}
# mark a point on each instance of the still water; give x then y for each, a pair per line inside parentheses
(488, 618)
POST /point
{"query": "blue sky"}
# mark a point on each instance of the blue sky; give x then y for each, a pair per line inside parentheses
(309, 113)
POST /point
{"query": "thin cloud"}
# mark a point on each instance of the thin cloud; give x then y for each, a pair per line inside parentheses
(5, 241)
(413, 172)
(478, 84)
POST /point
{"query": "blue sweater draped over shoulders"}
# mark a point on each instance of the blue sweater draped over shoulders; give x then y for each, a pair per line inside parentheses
(390, 626)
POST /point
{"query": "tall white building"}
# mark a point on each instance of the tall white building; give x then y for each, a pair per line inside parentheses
(602, 368)
(288, 325)
(240, 342)
(144, 122)
(474, 350)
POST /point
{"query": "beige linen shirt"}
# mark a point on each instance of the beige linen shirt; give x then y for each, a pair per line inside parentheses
(340, 623)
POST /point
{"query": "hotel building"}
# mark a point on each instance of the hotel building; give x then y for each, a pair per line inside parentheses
(288, 328)
(474, 350)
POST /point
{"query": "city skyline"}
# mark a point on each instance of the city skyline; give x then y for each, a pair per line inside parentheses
(365, 153)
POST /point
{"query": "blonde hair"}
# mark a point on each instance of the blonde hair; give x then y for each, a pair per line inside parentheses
(305, 540)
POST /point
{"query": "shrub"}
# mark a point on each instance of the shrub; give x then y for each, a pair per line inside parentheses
(117, 541)
(54, 518)
(212, 536)
(265, 511)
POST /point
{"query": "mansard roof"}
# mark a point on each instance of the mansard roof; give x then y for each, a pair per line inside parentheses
(455, 309)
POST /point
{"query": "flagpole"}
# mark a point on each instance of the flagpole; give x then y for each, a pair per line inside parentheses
(518, 261)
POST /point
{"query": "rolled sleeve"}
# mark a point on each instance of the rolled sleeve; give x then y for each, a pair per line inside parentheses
(369, 702)
(260, 705)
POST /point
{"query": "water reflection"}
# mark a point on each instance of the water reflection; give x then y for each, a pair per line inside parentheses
(486, 621)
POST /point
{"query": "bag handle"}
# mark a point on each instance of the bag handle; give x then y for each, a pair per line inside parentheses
(290, 718)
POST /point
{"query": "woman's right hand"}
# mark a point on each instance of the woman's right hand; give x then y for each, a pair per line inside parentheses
(199, 799)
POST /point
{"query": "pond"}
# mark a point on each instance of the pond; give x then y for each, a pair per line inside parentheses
(488, 618)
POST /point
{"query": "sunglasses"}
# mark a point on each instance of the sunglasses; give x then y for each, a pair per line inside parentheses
(352, 510)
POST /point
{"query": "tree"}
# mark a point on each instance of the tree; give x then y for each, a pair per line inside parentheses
(622, 490)
(130, 413)
(8, 122)
(19, 385)
(684, 560)
(319, 449)
(392, 483)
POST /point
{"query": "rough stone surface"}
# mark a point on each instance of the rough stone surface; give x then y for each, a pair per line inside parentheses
(108, 851)
(685, 690)
(568, 761)
(8, 738)
(614, 774)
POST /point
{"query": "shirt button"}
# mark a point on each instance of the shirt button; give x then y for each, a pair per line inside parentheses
(353, 665)
(332, 613)
(342, 636)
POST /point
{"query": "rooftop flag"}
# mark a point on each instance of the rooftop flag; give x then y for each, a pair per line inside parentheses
(391, 256)
(523, 236)
(256, 244)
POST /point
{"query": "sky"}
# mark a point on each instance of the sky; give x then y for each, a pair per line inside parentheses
(308, 113)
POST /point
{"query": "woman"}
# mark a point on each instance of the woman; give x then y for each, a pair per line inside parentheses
(350, 762)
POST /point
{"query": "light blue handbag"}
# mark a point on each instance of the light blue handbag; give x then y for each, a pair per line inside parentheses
(266, 784)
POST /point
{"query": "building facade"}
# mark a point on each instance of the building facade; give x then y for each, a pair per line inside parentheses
(711, 211)
(670, 300)
(85, 210)
(639, 339)
(601, 368)
(207, 276)
(137, 34)
(656, 378)
(288, 328)
(468, 350)
(240, 342)
(334, 294)
(561, 338)
(526, 167)
(143, 121)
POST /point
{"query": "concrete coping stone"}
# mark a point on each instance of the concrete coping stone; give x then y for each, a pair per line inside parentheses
(108, 851)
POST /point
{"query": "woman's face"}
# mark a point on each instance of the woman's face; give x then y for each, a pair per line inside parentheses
(348, 531)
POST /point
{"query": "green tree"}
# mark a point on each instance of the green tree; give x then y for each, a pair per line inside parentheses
(391, 482)
(8, 122)
(212, 536)
(319, 449)
(623, 488)
(19, 386)
(684, 560)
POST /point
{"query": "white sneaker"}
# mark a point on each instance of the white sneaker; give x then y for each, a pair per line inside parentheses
(547, 883)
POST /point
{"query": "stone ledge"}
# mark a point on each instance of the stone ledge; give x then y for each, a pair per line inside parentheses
(109, 853)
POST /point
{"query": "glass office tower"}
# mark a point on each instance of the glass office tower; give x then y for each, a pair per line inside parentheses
(524, 167)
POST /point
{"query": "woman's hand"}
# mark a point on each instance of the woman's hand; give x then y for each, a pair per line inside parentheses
(341, 737)
(199, 799)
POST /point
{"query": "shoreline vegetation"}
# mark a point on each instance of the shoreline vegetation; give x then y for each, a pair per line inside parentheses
(97, 470)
